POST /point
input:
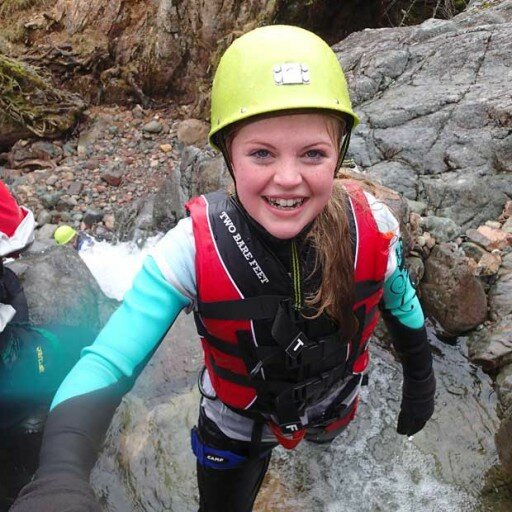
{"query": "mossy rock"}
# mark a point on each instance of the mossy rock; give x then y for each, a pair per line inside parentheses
(31, 106)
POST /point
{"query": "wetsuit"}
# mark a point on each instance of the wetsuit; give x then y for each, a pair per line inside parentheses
(83, 406)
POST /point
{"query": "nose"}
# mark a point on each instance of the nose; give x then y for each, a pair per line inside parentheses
(288, 173)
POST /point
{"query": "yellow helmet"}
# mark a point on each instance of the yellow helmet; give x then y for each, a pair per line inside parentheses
(276, 68)
(64, 234)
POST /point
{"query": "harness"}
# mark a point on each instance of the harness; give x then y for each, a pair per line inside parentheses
(264, 358)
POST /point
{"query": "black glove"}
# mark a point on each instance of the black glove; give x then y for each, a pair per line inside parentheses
(417, 404)
(59, 492)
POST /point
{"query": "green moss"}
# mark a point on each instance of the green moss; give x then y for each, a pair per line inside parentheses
(11, 6)
(31, 100)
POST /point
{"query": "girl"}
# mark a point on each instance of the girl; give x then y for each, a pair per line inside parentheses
(285, 278)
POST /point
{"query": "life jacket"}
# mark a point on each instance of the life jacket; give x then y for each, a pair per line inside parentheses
(16, 224)
(263, 357)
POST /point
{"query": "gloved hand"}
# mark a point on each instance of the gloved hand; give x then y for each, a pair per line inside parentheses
(417, 404)
(57, 492)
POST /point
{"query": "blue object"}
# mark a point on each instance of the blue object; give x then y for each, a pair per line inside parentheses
(212, 457)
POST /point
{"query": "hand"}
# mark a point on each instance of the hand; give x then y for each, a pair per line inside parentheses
(417, 404)
(58, 492)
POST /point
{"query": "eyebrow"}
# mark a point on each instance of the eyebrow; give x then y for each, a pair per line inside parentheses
(271, 146)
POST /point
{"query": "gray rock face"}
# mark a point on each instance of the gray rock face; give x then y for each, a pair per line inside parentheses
(435, 107)
(450, 293)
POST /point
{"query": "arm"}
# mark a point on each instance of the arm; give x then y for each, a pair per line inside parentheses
(85, 402)
(404, 319)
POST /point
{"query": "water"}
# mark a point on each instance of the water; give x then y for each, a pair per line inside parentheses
(449, 466)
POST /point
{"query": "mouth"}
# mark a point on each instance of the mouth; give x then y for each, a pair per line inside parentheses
(285, 204)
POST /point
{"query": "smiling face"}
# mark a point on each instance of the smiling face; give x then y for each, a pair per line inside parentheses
(284, 169)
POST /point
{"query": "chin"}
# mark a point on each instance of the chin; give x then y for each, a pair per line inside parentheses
(283, 233)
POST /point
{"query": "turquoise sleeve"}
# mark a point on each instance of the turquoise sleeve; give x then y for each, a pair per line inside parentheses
(129, 338)
(400, 298)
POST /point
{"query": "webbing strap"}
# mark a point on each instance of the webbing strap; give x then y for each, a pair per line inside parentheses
(252, 308)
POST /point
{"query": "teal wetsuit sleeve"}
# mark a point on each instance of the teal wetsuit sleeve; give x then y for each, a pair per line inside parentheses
(399, 298)
(402, 313)
(130, 336)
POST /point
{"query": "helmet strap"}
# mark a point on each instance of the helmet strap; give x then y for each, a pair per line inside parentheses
(221, 144)
(343, 151)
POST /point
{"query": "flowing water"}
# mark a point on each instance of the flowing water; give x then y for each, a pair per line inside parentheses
(451, 465)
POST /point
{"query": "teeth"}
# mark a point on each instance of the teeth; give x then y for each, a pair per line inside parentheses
(285, 203)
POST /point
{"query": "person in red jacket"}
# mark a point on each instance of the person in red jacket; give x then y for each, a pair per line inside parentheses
(285, 277)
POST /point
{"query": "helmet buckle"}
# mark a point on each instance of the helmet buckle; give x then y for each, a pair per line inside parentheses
(291, 73)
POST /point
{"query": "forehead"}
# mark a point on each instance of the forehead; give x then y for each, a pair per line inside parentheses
(298, 126)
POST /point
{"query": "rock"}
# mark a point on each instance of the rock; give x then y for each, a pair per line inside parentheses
(478, 238)
(112, 175)
(60, 289)
(489, 264)
(504, 388)
(493, 224)
(507, 211)
(43, 217)
(507, 227)
(434, 143)
(153, 126)
(45, 232)
(92, 217)
(109, 221)
(500, 295)
(473, 250)
(75, 188)
(193, 132)
(417, 207)
(503, 437)
(491, 347)
(441, 228)
(416, 268)
(498, 239)
(450, 293)
(166, 148)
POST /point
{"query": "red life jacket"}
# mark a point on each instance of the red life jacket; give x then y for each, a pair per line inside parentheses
(263, 357)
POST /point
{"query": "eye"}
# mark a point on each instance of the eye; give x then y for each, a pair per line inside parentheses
(315, 154)
(261, 153)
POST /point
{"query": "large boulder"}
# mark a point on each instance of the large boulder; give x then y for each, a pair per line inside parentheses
(434, 102)
(60, 289)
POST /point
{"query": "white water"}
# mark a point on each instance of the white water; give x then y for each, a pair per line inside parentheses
(370, 468)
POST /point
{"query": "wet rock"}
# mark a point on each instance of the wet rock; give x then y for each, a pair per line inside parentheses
(491, 347)
(450, 293)
(503, 437)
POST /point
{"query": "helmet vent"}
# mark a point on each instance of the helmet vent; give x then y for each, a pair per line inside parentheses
(291, 73)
